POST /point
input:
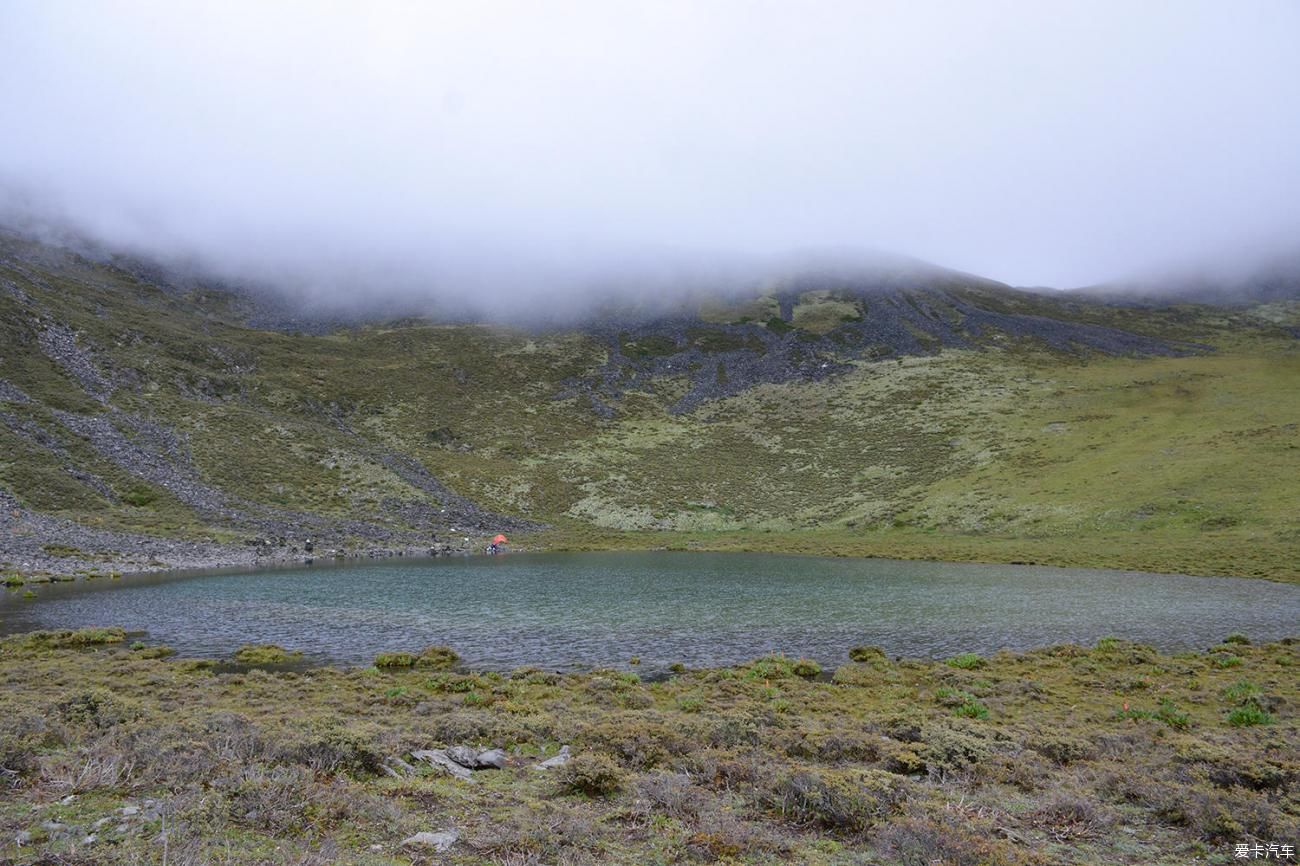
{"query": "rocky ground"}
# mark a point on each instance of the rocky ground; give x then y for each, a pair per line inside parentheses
(36, 547)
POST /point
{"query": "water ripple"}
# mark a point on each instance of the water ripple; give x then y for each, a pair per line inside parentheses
(567, 611)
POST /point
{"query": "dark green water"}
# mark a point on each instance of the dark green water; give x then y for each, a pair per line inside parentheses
(595, 609)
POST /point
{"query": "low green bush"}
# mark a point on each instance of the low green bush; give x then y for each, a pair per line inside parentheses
(1248, 715)
(972, 709)
(1241, 691)
(592, 774)
(865, 654)
(967, 661)
(807, 669)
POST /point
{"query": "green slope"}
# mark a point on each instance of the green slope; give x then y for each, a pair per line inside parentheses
(722, 428)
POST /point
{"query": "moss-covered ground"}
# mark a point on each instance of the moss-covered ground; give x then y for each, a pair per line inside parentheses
(1064, 755)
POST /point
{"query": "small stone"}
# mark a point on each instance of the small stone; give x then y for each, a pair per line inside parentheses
(440, 841)
(89, 840)
(128, 811)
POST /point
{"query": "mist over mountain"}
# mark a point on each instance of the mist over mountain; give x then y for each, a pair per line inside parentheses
(507, 157)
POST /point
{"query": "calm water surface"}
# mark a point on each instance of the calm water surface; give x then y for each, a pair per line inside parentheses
(582, 610)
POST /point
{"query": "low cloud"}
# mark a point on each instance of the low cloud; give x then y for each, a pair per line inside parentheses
(512, 155)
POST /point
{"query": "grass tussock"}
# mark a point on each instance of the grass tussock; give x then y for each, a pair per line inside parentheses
(1068, 754)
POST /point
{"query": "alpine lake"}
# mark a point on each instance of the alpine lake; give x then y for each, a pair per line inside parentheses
(577, 611)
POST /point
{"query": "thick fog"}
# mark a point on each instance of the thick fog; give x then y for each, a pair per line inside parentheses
(505, 155)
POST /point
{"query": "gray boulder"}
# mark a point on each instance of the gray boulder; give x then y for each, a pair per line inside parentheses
(463, 755)
(492, 758)
(438, 758)
(439, 841)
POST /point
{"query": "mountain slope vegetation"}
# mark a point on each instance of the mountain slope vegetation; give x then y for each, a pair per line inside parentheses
(926, 414)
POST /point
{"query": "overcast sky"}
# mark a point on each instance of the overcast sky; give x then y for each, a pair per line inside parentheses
(509, 148)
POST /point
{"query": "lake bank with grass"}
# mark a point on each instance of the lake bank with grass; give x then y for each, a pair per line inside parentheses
(1066, 754)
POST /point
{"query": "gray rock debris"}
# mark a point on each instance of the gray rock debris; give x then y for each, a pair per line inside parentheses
(59, 342)
(459, 761)
(438, 758)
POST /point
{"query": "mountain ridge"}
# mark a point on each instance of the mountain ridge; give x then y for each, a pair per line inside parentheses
(130, 404)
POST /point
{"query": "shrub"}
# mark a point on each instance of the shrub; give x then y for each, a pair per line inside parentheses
(1241, 691)
(1172, 716)
(967, 661)
(846, 800)
(1249, 714)
(95, 709)
(922, 839)
(272, 801)
(477, 699)
(671, 793)
(638, 742)
(332, 750)
(1062, 748)
(949, 749)
(1237, 638)
(455, 684)
(591, 774)
(865, 654)
(807, 669)
(848, 747)
(1072, 816)
(950, 697)
(435, 657)
(690, 703)
(972, 709)
(773, 667)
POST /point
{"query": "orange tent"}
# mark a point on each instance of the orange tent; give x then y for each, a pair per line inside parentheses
(500, 539)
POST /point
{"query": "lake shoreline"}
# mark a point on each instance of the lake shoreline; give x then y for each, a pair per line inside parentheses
(135, 555)
(576, 611)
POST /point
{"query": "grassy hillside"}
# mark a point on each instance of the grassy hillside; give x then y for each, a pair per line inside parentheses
(959, 419)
